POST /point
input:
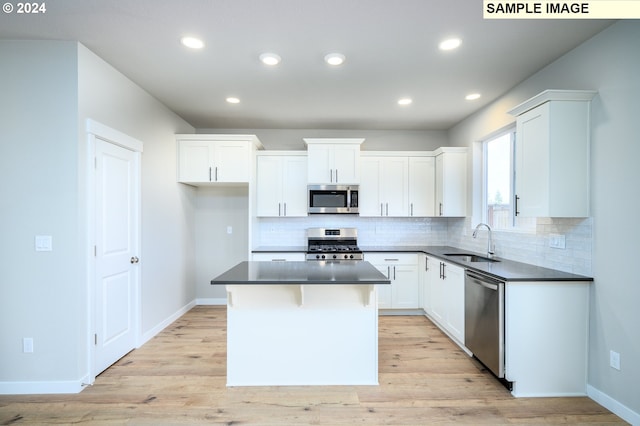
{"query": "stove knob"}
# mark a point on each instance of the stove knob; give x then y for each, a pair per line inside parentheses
(351, 257)
(317, 256)
(346, 256)
(335, 257)
(323, 256)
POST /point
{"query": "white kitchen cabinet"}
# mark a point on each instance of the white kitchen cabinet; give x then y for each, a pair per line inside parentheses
(422, 186)
(281, 185)
(546, 337)
(278, 256)
(451, 182)
(552, 154)
(402, 270)
(333, 161)
(384, 186)
(211, 159)
(446, 288)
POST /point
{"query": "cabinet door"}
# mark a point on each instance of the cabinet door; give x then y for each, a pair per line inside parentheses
(346, 163)
(405, 287)
(294, 186)
(451, 184)
(319, 163)
(532, 162)
(231, 162)
(429, 277)
(455, 301)
(269, 186)
(422, 173)
(195, 160)
(438, 292)
(394, 186)
(384, 290)
(369, 202)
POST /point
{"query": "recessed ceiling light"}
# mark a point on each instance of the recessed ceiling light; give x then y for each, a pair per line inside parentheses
(450, 44)
(472, 96)
(233, 100)
(192, 42)
(334, 59)
(270, 59)
(405, 101)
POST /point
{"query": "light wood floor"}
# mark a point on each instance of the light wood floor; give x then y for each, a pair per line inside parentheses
(179, 377)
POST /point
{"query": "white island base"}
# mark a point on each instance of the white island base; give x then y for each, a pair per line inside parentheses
(302, 334)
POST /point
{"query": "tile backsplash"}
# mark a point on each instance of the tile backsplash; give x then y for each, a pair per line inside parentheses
(532, 248)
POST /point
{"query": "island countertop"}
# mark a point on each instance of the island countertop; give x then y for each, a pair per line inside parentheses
(306, 272)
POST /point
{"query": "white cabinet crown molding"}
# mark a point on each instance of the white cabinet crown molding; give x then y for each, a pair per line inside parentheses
(552, 95)
(359, 141)
(220, 137)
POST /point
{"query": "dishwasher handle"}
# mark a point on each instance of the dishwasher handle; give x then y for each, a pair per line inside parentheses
(483, 280)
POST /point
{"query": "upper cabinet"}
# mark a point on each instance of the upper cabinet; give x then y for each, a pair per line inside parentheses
(332, 161)
(451, 182)
(552, 154)
(396, 184)
(281, 184)
(211, 159)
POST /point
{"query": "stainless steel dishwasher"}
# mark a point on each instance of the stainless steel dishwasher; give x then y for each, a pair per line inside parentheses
(484, 320)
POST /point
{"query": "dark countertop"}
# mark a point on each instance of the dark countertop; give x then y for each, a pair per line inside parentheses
(507, 270)
(306, 272)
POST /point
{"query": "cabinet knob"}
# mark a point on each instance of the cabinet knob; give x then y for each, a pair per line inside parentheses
(135, 259)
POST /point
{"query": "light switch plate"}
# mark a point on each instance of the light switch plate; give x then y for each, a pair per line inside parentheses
(44, 243)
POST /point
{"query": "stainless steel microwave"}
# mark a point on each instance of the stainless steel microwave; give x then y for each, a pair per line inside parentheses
(333, 199)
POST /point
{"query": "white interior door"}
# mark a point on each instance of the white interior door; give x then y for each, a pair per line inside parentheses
(117, 191)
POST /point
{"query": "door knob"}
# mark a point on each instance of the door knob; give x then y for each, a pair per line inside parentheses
(134, 259)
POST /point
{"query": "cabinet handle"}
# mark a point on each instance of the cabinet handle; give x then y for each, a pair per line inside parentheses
(444, 271)
(279, 209)
(381, 211)
(216, 173)
(426, 263)
(388, 272)
(336, 175)
(387, 209)
(331, 175)
(285, 209)
(394, 273)
(209, 174)
(516, 207)
(440, 209)
(411, 209)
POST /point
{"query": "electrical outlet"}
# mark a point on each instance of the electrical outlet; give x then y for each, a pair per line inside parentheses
(27, 345)
(614, 360)
(557, 241)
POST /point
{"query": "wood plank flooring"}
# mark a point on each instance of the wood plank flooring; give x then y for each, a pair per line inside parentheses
(179, 378)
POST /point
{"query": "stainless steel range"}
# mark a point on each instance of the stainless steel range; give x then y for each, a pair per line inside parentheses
(333, 244)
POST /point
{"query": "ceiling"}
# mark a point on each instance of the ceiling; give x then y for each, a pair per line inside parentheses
(391, 49)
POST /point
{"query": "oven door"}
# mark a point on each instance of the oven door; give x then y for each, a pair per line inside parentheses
(330, 199)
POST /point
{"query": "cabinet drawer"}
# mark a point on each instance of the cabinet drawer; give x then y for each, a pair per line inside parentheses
(278, 257)
(392, 258)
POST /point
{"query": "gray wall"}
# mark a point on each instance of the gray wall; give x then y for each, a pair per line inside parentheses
(54, 87)
(610, 64)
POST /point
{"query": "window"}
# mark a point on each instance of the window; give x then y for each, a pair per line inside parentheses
(499, 182)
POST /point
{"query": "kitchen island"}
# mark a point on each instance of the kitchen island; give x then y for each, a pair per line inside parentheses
(302, 323)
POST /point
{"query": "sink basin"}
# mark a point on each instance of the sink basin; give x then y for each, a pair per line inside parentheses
(466, 257)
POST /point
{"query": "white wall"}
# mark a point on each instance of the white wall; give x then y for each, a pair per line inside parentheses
(610, 64)
(55, 87)
(168, 233)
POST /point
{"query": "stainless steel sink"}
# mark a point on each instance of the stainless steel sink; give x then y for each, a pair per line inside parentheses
(466, 257)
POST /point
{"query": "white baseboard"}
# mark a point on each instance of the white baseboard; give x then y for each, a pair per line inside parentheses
(620, 410)
(212, 301)
(164, 324)
(53, 387)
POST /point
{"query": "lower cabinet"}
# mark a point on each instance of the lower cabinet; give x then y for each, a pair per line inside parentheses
(443, 296)
(278, 256)
(403, 271)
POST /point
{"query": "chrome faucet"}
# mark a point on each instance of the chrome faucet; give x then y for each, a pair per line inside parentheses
(490, 247)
